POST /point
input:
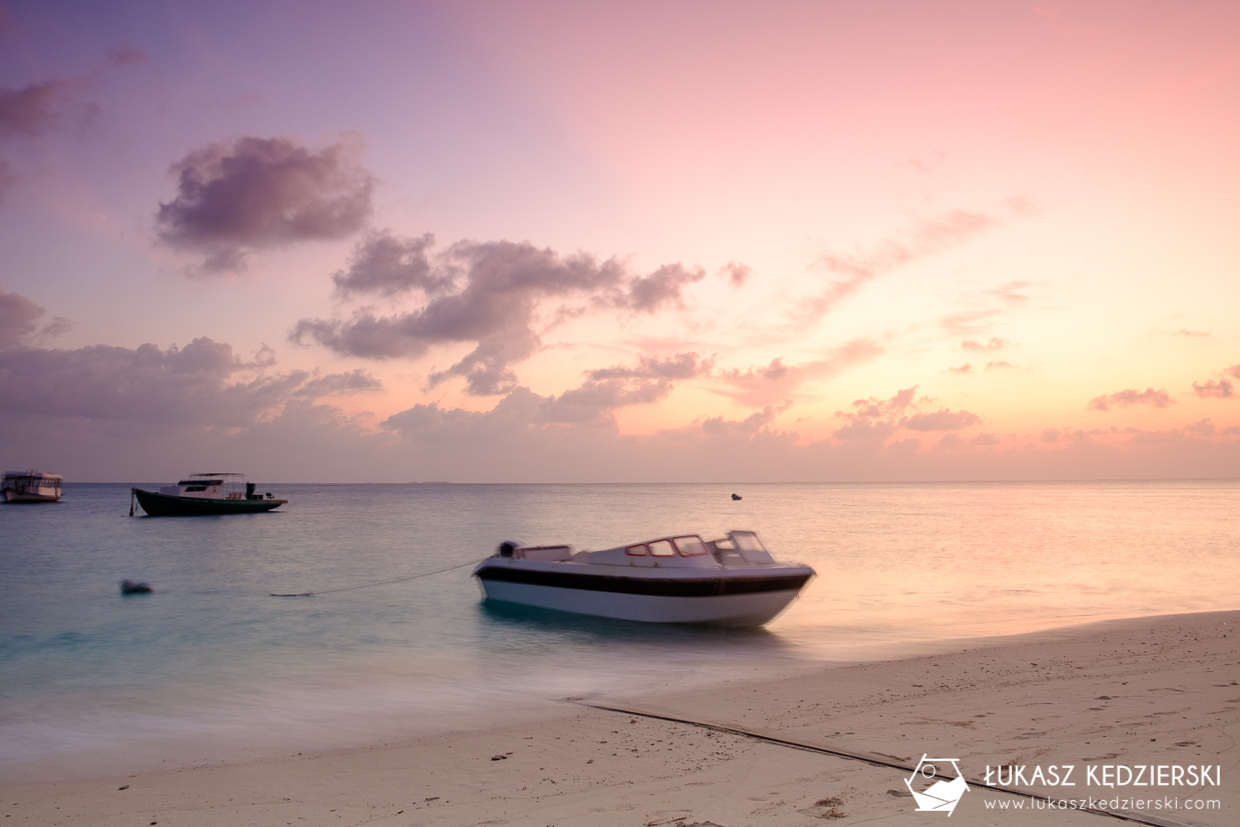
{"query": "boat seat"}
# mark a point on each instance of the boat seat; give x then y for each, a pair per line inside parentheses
(547, 554)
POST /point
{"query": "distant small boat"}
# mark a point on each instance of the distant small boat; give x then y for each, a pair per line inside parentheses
(736, 496)
(200, 495)
(30, 487)
(677, 579)
(135, 587)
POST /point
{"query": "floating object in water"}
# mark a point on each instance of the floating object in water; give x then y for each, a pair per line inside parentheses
(30, 487)
(736, 496)
(677, 579)
(135, 587)
(204, 494)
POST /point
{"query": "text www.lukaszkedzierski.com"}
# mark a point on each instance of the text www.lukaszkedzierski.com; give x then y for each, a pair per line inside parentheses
(1165, 803)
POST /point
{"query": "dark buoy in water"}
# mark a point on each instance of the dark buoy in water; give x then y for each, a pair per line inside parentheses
(135, 587)
(736, 496)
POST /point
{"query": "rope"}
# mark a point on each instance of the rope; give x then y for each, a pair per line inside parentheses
(380, 583)
(871, 759)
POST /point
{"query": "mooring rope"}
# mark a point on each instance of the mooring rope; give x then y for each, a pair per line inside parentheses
(380, 583)
(867, 758)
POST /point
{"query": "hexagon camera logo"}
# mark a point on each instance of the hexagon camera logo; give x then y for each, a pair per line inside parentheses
(943, 795)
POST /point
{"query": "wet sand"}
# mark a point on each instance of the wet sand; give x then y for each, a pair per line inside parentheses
(1134, 693)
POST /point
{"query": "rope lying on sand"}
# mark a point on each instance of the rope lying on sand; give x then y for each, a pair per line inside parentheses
(869, 758)
(380, 583)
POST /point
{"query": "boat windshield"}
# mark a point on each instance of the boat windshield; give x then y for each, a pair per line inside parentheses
(690, 546)
(661, 548)
(747, 541)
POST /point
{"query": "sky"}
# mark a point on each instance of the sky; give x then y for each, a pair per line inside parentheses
(620, 242)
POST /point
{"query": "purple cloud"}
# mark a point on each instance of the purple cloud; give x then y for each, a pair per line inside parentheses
(662, 288)
(1222, 389)
(234, 197)
(126, 55)
(1125, 398)
(29, 113)
(758, 386)
(387, 265)
(607, 389)
(202, 384)
(737, 273)
(747, 427)
(339, 384)
(489, 293)
(19, 321)
(877, 419)
(34, 110)
(941, 420)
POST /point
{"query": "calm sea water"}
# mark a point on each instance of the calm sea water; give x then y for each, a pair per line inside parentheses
(211, 667)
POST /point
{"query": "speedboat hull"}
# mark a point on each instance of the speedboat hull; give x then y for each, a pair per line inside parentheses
(733, 597)
(163, 505)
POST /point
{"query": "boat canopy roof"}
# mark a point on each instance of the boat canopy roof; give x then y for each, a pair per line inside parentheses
(32, 473)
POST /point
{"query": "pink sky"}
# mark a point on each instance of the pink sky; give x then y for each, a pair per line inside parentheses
(622, 242)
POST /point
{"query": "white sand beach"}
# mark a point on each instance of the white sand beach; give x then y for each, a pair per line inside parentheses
(1150, 692)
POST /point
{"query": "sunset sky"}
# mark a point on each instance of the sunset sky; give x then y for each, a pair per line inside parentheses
(558, 241)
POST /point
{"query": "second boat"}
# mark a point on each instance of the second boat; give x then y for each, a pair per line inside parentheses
(200, 495)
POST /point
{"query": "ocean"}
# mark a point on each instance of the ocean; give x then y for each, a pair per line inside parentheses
(211, 667)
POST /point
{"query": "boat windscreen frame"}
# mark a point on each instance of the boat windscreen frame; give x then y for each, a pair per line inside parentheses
(701, 544)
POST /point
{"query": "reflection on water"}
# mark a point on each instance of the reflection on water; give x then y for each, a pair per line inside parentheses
(901, 567)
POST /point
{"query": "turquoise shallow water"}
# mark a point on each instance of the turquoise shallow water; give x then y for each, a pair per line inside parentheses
(210, 667)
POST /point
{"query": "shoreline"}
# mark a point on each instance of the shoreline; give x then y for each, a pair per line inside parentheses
(1139, 691)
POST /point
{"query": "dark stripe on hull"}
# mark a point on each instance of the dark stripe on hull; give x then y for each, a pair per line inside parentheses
(669, 587)
(161, 505)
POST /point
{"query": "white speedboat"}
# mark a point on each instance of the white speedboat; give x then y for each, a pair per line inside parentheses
(30, 487)
(677, 579)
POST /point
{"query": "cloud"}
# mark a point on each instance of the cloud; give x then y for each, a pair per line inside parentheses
(339, 384)
(1233, 371)
(31, 112)
(736, 273)
(386, 265)
(1000, 365)
(126, 55)
(608, 389)
(1192, 334)
(967, 367)
(202, 384)
(662, 288)
(876, 419)
(1201, 428)
(1124, 398)
(488, 293)
(1222, 389)
(234, 197)
(759, 386)
(928, 236)
(35, 110)
(19, 321)
(994, 344)
(976, 320)
(941, 420)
